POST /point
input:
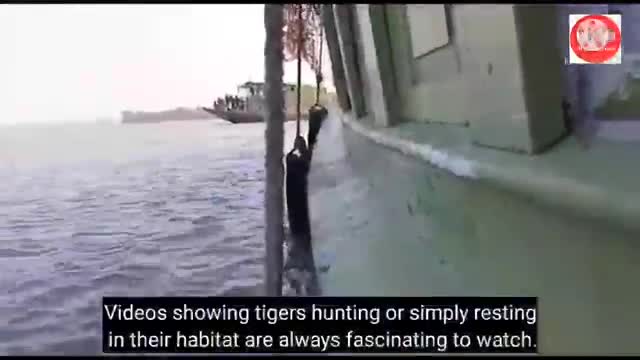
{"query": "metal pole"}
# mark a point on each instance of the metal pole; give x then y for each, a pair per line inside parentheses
(274, 139)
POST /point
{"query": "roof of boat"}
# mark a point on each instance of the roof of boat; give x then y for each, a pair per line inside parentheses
(254, 84)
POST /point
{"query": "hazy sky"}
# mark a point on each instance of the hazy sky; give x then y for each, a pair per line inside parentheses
(80, 62)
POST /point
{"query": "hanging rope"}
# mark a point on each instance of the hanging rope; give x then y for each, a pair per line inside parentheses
(319, 79)
(319, 72)
(299, 82)
(300, 267)
(317, 113)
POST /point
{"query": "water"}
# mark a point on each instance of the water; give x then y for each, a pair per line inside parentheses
(92, 210)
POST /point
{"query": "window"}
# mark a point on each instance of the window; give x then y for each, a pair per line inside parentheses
(429, 22)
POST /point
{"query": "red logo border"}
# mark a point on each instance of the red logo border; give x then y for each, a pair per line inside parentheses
(596, 57)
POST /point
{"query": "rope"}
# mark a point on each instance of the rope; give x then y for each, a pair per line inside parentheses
(298, 162)
(317, 113)
(299, 93)
(319, 72)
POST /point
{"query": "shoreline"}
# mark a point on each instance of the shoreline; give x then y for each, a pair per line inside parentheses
(177, 114)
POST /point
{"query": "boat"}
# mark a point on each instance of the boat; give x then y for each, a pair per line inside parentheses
(448, 167)
(235, 116)
(250, 98)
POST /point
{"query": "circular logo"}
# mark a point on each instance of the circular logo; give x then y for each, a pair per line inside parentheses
(595, 39)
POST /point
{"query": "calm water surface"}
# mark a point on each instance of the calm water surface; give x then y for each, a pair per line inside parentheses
(88, 210)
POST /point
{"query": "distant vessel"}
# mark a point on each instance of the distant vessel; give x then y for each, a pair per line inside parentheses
(248, 105)
(178, 114)
(235, 116)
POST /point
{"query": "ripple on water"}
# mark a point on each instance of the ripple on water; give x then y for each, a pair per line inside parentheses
(203, 220)
(78, 344)
(18, 253)
(26, 286)
(57, 296)
(30, 318)
(176, 219)
(193, 266)
(117, 281)
(145, 271)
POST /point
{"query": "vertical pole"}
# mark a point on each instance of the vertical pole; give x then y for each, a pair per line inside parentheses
(274, 197)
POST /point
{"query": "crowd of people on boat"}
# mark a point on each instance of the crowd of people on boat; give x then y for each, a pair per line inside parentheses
(230, 102)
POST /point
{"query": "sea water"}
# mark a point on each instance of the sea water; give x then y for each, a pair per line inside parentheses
(90, 210)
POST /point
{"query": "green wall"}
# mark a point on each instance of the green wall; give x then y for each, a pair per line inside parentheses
(447, 200)
(388, 224)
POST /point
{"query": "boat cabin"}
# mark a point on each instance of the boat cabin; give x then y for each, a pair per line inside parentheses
(251, 88)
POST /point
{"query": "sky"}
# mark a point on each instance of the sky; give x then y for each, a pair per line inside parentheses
(83, 62)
